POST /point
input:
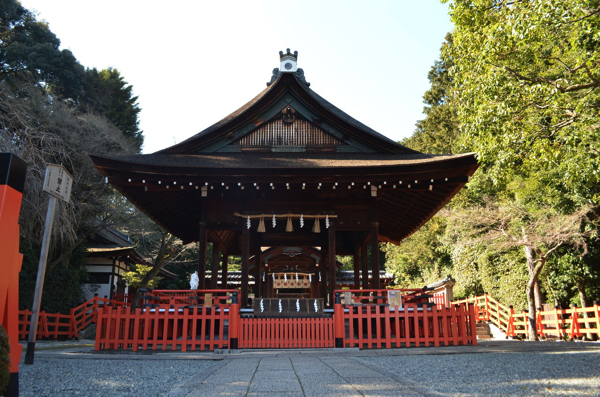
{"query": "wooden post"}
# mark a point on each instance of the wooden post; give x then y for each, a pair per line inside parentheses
(257, 265)
(374, 239)
(356, 264)
(323, 273)
(214, 271)
(375, 254)
(202, 245)
(245, 266)
(365, 265)
(224, 271)
(332, 262)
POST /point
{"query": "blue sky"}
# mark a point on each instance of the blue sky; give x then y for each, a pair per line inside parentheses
(193, 62)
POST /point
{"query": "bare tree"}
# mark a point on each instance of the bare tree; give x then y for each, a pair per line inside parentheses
(540, 232)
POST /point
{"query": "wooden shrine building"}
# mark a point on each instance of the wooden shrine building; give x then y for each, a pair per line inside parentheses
(289, 169)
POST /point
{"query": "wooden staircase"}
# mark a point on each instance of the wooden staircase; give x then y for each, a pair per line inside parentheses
(483, 331)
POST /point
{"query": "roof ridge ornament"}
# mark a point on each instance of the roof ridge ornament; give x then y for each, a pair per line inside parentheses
(288, 64)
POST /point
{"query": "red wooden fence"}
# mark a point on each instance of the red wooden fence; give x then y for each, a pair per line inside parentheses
(286, 333)
(64, 326)
(379, 326)
(193, 328)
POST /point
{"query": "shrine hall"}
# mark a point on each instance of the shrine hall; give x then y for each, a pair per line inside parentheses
(288, 182)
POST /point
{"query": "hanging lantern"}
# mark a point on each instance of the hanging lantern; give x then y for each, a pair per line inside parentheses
(317, 226)
(274, 221)
(261, 225)
(289, 227)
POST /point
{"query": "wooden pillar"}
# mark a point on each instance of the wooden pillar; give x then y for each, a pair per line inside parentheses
(257, 265)
(356, 265)
(331, 262)
(374, 239)
(224, 271)
(214, 271)
(323, 274)
(245, 266)
(202, 248)
(364, 256)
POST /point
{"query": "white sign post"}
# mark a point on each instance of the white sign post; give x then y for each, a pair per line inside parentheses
(58, 183)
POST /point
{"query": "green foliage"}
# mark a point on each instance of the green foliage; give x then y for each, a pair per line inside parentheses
(135, 277)
(108, 94)
(29, 48)
(62, 286)
(526, 74)
(420, 259)
(437, 133)
(4, 360)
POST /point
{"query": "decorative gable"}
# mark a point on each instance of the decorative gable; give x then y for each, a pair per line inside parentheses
(288, 132)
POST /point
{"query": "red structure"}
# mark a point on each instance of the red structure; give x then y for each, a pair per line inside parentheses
(12, 182)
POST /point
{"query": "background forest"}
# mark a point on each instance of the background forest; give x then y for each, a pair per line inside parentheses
(517, 82)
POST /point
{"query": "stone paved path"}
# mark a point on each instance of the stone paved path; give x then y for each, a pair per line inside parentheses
(294, 376)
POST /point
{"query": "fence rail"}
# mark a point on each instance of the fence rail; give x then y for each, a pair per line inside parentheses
(570, 323)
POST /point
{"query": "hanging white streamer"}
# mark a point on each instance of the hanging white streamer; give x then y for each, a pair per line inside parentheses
(319, 277)
(296, 276)
(273, 274)
(316, 307)
(262, 307)
(248, 222)
(274, 221)
(301, 220)
(297, 305)
(285, 277)
(263, 277)
(310, 278)
(280, 308)
(327, 222)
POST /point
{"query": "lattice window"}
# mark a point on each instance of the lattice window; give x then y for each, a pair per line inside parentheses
(280, 133)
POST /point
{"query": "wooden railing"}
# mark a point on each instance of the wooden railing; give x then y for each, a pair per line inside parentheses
(364, 324)
(286, 333)
(194, 328)
(64, 326)
(570, 323)
(209, 319)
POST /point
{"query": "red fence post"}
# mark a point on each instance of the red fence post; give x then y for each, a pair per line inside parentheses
(234, 321)
(338, 316)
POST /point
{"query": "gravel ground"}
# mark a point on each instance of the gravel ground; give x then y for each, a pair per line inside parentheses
(564, 373)
(56, 377)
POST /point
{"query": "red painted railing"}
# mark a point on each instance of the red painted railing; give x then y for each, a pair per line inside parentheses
(64, 326)
(193, 328)
(377, 325)
(560, 323)
(286, 333)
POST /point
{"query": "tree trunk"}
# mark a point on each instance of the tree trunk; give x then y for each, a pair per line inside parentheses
(536, 265)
